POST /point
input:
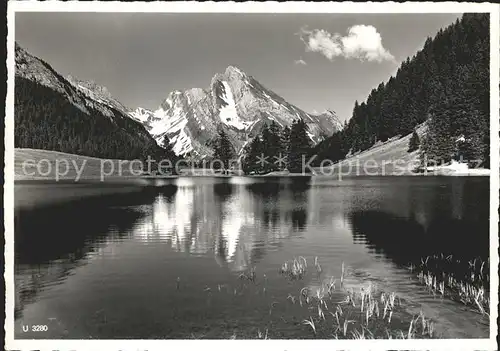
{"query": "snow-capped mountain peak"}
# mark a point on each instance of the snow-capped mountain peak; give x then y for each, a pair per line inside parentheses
(235, 71)
(234, 101)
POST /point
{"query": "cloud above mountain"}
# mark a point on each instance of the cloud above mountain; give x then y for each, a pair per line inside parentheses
(362, 42)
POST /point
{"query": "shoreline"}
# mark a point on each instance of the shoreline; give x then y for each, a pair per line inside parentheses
(478, 173)
(82, 168)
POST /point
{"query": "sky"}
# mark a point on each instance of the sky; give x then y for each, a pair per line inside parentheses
(314, 61)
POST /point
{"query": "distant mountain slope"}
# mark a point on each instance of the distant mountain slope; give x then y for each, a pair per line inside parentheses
(234, 100)
(391, 158)
(384, 158)
(80, 117)
(53, 113)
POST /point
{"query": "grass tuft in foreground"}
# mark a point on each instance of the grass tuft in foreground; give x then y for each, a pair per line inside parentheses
(466, 282)
(295, 270)
(333, 311)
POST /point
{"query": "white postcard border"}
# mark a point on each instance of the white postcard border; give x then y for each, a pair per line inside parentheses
(249, 7)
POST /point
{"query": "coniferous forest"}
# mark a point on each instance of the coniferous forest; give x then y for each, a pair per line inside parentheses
(278, 149)
(446, 84)
(44, 119)
(223, 150)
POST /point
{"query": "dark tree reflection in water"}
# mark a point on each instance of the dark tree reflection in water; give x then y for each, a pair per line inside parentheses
(170, 252)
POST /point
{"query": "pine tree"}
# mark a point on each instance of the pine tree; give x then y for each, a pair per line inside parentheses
(276, 135)
(167, 150)
(223, 150)
(271, 139)
(331, 149)
(285, 143)
(414, 143)
(254, 152)
(299, 146)
(267, 140)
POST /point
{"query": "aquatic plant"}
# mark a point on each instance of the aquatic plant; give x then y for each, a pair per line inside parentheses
(345, 312)
(262, 336)
(320, 313)
(274, 303)
(295, 270)
(249, 275)
(466, 282)
(346, 324)
(342, 275)
(331, 285)
(317, 265)
(362, 313)
(310, 322)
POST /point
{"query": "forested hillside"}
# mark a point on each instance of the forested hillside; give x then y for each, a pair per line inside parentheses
(445, 83)
(53, 113)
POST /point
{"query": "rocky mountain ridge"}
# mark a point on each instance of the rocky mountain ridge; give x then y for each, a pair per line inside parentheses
(234, 101)
(70, 115)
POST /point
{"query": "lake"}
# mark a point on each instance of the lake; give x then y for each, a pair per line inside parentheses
(164, 258)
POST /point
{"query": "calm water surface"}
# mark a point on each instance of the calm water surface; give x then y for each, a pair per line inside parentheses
(162, 259)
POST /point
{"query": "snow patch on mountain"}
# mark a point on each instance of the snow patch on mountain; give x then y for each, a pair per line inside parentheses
(169, 101)
(141, 114)
(181, 143)
(311, 136)
(170, 123)
(234, 101)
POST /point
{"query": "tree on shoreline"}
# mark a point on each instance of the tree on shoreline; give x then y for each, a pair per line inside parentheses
(299, 146)
(223, 150)
(414, 143)
(255, 150)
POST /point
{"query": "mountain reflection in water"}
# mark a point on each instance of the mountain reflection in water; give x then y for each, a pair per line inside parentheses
(123, 253)
(235, 223)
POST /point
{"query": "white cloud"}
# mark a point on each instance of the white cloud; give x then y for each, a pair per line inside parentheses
(362, 42)
(300, 62)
